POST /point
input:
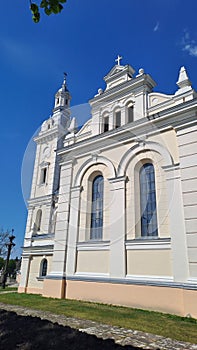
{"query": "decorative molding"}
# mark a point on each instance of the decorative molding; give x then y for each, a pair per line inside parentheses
(146, 146)
(93, 246)
(88, 163)
(134, 280)
(148, 244)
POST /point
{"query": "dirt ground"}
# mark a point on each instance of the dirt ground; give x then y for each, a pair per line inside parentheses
(32, 333)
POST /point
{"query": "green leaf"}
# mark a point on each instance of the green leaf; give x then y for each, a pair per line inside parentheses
(44, 4)
(47, 11)
(36, 17)
(60, 7)
(55, 9)
(34, 8)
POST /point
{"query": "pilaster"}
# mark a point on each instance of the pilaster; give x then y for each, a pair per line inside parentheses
(73, 230)
(61, 231)
(25, 266)
(177, 225)
(117, 227)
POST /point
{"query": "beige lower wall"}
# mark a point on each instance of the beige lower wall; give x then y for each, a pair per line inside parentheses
(54, 288)
(30, 290)
(93, 261)
(149, 262)
(170, 300)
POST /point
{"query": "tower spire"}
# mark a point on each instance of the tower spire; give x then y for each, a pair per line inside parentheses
(63, 97)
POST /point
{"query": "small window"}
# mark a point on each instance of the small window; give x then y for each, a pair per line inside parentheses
(58, 100)
(43, 176)
(43, 268)
(106, 124)
(117, 119)
(130, 114)
(38, 219)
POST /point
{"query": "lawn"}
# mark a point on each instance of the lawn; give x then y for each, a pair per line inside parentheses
(8, 289)
(180, 328)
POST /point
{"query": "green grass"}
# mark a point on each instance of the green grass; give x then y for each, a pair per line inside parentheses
(8, 289)
(180, 328)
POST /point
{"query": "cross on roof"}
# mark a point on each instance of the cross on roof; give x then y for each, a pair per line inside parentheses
(118, 59)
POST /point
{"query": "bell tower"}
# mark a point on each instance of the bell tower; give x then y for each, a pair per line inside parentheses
(45, 181)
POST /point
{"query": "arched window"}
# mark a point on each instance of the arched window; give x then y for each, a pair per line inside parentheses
(118, 119)
(43, 268)
(148, 204)
(38, 219)
(97, 208)
(105, 123)
(130, 113)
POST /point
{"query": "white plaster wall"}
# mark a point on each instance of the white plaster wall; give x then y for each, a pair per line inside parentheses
(187, 140)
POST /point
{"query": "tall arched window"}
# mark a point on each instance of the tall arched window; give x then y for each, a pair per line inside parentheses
(97, 208)
(38, 219)
(43, 268)
(148, 204)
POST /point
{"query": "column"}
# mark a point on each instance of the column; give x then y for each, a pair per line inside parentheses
(177, 225)
(73, 230)
(117, 227)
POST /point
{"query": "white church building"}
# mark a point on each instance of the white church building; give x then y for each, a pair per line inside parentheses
(112, 214)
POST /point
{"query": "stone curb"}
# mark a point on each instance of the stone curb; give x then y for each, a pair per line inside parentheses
(121, 336)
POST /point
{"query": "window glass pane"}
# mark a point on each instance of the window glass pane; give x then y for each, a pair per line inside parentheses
(148, 201)
(44, 268)
(97, 208)
(130, 114)
(43, 175)
(117, 119)
(106, 124)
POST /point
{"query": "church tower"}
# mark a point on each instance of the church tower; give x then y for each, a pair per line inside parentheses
(42, 208)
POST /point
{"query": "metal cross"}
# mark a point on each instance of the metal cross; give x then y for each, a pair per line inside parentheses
(118, 59)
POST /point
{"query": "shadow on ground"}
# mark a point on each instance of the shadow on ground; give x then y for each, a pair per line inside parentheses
(32, 333)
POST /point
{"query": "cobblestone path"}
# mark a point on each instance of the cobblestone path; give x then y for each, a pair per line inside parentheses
(120, 336)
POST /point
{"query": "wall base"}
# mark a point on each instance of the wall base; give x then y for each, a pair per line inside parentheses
(54, 288)
(182, 302)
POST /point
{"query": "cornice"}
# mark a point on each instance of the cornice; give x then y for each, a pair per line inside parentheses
(142, 81)
(40, 200)
(175, 117)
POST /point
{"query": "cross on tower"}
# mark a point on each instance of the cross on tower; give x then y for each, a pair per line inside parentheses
(118, 59)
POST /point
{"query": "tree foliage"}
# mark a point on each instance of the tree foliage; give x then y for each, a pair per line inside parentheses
(49, 7)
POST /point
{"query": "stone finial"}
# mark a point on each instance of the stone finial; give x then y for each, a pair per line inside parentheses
(100, 91)
(140, 72)
(183, 80)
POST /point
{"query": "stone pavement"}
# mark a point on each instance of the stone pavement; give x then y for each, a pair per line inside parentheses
(121, 336)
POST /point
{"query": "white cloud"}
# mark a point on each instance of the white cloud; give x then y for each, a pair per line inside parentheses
(156, 27)
(189, 45)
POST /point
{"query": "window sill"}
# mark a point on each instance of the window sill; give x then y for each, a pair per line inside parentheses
(148, 243)
(93, 245)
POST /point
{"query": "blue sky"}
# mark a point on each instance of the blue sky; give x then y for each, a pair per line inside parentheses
(84, 40)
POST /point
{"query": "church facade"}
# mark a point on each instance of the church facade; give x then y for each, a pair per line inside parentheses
(112, 215)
